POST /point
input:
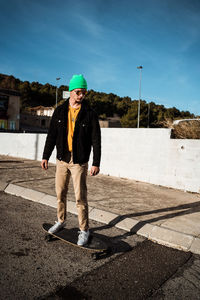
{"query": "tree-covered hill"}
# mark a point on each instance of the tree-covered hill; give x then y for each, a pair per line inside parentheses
(106, 105)
(34, 93)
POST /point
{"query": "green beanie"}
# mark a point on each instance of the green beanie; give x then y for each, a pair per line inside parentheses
(77, 82)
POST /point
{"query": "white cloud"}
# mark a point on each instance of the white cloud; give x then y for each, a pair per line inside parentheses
(91, 26)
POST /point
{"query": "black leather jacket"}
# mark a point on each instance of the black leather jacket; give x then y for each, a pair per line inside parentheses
(87, 134)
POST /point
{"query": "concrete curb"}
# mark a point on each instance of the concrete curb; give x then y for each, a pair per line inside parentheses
(3, 185)
(160, 235)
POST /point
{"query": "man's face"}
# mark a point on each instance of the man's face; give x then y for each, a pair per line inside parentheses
(78, 95)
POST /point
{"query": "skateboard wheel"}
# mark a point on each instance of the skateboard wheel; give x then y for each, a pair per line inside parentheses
(95, 256)
(48, 237)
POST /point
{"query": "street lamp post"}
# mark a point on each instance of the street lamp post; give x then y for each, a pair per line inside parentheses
(57, 91)
(138, 122)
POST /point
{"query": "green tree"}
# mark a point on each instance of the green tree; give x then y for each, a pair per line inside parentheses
(122, 105)
(25, 90)
(130, 119)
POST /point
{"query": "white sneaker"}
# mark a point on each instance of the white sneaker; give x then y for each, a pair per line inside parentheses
(83, 237)
(55, 228)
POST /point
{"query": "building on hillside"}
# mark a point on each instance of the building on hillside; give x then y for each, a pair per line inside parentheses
(111, 122)
(36, 119)
(9, 109)
(42, 111)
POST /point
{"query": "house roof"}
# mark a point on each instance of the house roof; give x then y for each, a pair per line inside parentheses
(40, 107)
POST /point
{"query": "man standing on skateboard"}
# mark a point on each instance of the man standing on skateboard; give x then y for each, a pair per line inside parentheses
(74, 130)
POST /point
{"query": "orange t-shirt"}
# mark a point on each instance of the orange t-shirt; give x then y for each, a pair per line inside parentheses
(72, 116)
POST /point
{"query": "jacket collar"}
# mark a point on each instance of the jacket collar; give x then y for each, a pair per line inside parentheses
(64, 108)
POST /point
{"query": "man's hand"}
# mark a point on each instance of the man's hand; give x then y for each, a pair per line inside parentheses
(44, 164)
(94, 171)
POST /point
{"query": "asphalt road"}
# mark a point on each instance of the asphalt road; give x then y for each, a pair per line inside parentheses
(137, 269)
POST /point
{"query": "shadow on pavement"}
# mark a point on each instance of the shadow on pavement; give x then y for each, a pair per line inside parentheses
(117, 240)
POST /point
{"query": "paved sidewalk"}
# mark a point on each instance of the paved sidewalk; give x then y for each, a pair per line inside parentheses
(167, 216)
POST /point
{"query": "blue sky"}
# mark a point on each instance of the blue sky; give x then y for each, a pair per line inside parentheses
(106, 41)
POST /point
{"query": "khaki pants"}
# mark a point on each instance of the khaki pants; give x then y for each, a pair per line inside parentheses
(64, 170)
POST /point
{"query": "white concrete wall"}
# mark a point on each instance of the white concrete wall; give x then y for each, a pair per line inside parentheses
(150, 155)
(147, 155)
(24, 145)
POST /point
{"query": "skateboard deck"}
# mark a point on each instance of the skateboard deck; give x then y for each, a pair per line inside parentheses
(95, 245)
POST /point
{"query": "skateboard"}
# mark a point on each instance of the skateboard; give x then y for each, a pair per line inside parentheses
(96, 246)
